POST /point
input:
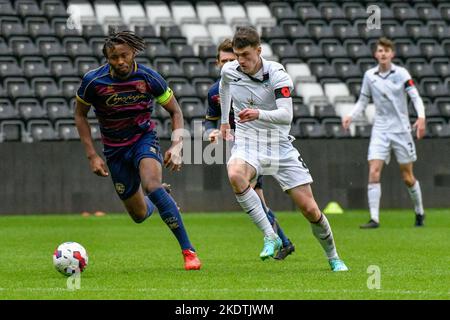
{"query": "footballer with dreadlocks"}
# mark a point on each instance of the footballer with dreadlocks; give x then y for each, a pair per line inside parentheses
(122, 94)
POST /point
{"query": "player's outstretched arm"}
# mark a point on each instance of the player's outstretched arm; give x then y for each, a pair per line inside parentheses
(172, 157)
(96, 163)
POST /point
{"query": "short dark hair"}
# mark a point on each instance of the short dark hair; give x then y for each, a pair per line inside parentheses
(386, 43)
(225, 46)
(246, 36)
(124, 37)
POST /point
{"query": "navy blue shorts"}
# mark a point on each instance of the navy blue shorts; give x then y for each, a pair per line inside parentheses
(123, 163)
(259, 183)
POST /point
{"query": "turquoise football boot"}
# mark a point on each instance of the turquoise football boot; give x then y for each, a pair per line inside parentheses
(270, 247)
(337, 265)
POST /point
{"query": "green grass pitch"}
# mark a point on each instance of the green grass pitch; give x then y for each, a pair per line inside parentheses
(130, 261)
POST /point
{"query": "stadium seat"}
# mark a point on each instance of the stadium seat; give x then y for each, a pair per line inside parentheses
(444, 9)
(7, 9)
(16, 87)
(333, 49)
(322, 70)
(183, 12)
(57, 108)
(77, 46)
(158, 13)
(431, 49)
(295, 30)
(194, 68)
(34, 67)
(41, 130)
(366, 33)
(319, 30)
(437, 127)
(299, 110)
(196, 34)
(354, 11)
(220, 32)
(85, 64)
(307, 49)
(202, 86)
(345, 31)
(5, 50)
(181, 87)
(11, 130)
(406, 49)
(145, 30)
(284, 49)
(363, 131)
(404, 12)
(324, 110)
(346, 70)
(133, 13)
(107, 14)
(234, 14)
(427, 12)
(209, 13)
(439, 29)
(310, 128)
(417, 30)
(11, 26)
(282, 10)
(30, 108)
(433, 88)
(307, 11)
(54, 8)
(27, 8)
(331, 11)
(192, 107)
(67, 131)
(23, 46)
(9, 67)
(61, 66)
(82, 12)
(333, 129)
(45, 87)
(300, 72)
(93, 30)
(7, 110)
(443, 105)
(157, 49)
(181, 50)
(168, 67)
(62, 29)
(69, 86)
(50, 46)
(38, 26)
(259, 15)
(159, 112)
(338, 92)
(343, 108)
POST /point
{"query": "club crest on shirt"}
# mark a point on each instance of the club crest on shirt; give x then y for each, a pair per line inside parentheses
(120, 188)
(141, 87)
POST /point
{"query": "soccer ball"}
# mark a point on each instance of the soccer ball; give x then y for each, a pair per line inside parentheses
(70, 258)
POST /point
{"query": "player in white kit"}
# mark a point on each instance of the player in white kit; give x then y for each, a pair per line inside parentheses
(388, 85)
(260, 91)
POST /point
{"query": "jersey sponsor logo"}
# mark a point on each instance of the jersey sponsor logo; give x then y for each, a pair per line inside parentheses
(283, 92)
(237, 79)
(125, 98)
(120, 188)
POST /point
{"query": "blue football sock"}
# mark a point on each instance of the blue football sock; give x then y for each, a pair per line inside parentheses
(150, 209)
(280, 231)
(171, 216)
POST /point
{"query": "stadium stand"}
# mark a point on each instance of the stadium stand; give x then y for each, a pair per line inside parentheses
(47, 46)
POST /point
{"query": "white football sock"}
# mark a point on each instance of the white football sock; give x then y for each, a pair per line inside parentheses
(416, 196)
(322, 231)
(374, 195)
(251, 204)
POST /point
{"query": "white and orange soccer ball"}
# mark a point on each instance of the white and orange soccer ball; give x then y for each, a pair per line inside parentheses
(70, 258)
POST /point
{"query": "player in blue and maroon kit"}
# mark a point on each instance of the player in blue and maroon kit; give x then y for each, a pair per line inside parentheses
(213, 113)
(122, 94)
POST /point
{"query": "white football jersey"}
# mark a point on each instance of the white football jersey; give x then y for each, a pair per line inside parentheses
(257, 92)
(388, 93)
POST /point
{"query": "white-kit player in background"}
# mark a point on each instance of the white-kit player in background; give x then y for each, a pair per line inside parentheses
(260, 91)
(388, 85)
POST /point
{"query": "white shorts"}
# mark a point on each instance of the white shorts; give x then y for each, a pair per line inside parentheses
(286, 166)
(402, 143)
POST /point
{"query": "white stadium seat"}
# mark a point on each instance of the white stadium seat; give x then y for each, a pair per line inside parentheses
(132, 13)
(234, 14)
(259, 14)
(338, 92)
(82, 11)
(158, 13)
(107, 14)
(196, 34)
(209, 12)
(219, 32)
(300, 72)
(184, 12)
